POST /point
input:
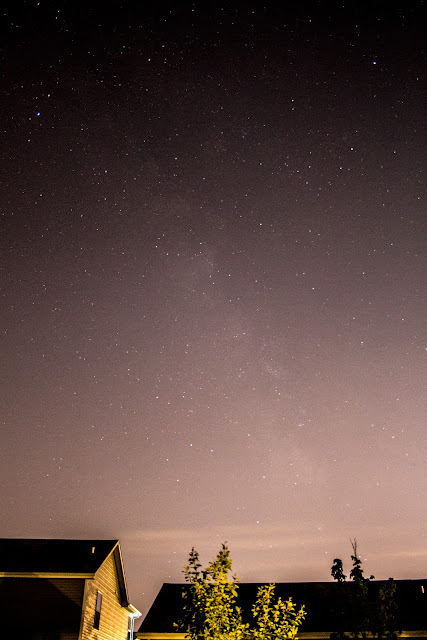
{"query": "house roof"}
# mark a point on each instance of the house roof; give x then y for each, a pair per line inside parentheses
(322, 600)
(23, 557)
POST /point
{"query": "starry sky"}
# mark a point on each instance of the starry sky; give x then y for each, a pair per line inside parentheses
(212, 284)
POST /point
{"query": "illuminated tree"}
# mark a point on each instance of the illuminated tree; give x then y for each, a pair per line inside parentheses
(275, 621)
(210, 610)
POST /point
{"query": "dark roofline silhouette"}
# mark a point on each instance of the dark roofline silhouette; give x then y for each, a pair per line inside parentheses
(321, 599)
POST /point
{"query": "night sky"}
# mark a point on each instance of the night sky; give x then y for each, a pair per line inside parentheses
(212, 283)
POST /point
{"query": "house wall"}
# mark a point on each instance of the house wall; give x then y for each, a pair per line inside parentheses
(41, 608)
(71, 588)
(114, 619)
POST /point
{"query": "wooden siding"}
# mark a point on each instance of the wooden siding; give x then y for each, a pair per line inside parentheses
(56, 635)
(114, 618)
(41, 607)
(71, 589)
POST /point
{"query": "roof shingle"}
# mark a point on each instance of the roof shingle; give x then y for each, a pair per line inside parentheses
(53, 556)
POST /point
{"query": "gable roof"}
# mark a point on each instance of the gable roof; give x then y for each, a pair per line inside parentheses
(24, 557)
(322, 601)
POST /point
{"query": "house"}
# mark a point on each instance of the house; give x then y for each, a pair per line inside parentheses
(324, 603)
(64, 590)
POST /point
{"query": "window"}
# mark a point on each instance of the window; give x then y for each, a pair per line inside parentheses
(98, 606)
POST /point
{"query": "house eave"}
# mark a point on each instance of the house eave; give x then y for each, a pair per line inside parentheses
(308, 635)
(45, 574)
